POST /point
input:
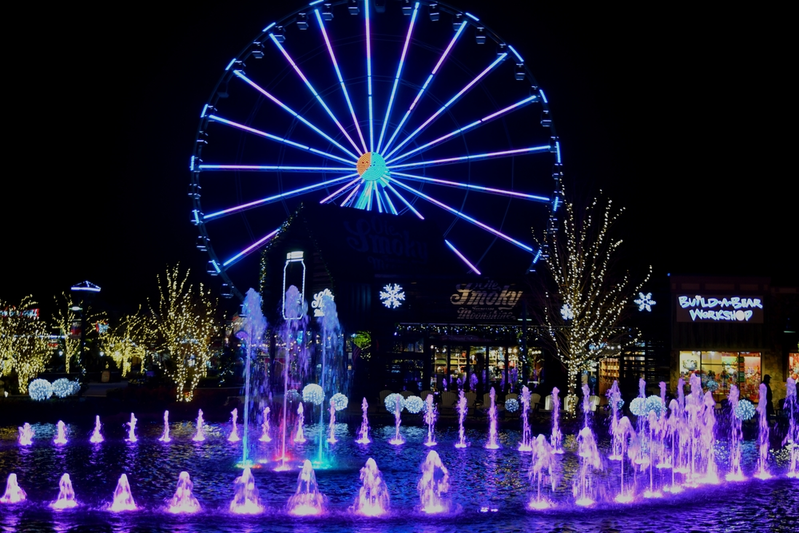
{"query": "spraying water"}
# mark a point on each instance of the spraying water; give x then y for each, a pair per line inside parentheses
(123, 499)
(433, 485)
(526, 444)
(623, 434)
(373, 498)
(792, 438)
(246, 499)
(493, 442)
(165, 435)
(61, 433)
(292, 335)
(736, 436)
(234, 432)
(614, 398)
(252, 331)
(430, 420)
(66, 496)
(331, 438)
(183, 501)
(199, 434)
(25, 435)
(265, 427)
(13, 493)
(762, 435)
(540, 473)
(307, 500)
(363, 433)
(463, 408)
(398, 406)
(132, 429)
(589, 461)
(556, 439)
(299, 435)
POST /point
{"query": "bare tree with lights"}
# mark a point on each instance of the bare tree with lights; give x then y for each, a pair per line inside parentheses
(24, 342)
(127, 342)
(587, 295)
(64, 321)
(183, 326)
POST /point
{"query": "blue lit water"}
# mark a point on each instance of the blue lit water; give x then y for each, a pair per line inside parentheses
(489, 488)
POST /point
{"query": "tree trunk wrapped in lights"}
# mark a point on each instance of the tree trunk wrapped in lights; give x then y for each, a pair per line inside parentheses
(127, 342)
(24, 342)
(587, 296)
(183, 326)
(64, 321)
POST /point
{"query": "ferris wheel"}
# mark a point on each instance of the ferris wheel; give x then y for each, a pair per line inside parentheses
(413, 109)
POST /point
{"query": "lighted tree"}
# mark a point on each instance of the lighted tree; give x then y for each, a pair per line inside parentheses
(67, 317)
(587, 294)
(182, 327)
(127, 342)
(23, 342)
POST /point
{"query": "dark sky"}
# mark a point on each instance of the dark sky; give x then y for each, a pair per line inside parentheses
(681, 115)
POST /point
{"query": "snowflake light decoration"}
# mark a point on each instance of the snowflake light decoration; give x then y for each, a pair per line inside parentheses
(645, 301)
(566, 312)
(392, 296)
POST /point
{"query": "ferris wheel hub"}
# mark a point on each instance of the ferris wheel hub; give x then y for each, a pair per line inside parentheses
(371, 166)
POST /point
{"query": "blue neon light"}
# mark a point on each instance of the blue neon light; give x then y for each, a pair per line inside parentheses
(512, 49)
(205, 108)
(313, 91)
(369, 77)
(404, 201)
(426, 83)
(463, 216)
(463, 258)
(316, 2)
(271, 199)
(491, 190)
(215, 265)
(250, 248)
(351, 194)
(389, 202)
(239, 74)
(340, 191)
(279, 139)
(555, 206)
(537, 257)
(452, 100)
(196, 214)
(397, 75)
(269, 27)
(230, 64)
(191, 164)
(471, 16)
(451, 160)
(543, 96)
(340, 78)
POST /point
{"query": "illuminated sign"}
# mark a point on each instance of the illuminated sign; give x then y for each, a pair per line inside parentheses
(707, 308)
(485, 301)
(316, 303)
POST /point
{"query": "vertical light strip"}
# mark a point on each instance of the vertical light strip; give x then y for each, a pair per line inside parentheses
(463, 258)
(397, 76)
(451, 101)
(369, 76)
(426, 83)
(340, 78)
(313, 91)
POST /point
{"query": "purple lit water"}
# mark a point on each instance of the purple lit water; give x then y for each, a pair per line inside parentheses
(493, 442)
(430, 420)
(363, 433)
(164, 436)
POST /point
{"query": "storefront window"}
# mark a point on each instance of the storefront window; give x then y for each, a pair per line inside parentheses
(719, 370)
(793, 366)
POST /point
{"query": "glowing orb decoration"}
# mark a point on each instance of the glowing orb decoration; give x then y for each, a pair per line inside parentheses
(744, 410)
(313, 393)
(394, 401)
(414, 404)
(392, 296)
(654, 403)
(371, 166)
(511, 405)
(63, 387)
(645, 302)
(638, 406)
(40, 390)
(292, 395)
(566, 312)
(339, 401)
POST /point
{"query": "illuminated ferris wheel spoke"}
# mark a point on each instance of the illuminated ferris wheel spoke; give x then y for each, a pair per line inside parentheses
(251, 248)
(450, 135)
(426, 84)
(369, 76)
(479, 188)
(463, 216)
(340, 78)
(398, 75)
(239, 74)
(451, 101)
(462, 257)
(275, 198)
(349, 197)
(313, 91)
(277, 138)
(404, 201)
(340, 191)
(274, 168)
(475, 157)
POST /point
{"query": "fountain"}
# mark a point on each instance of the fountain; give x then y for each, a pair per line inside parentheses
(331, 439)
(199, 435)
(265, 427)
(736, 436)
(299, 435)
(61, 433)
(164, 436)
(234, 432)
(623, 436)
(526, 443)
(307, 500)
(123, 499)
(132, 429)
(541, 472)
(792, 438)
(589, 461)
(433, 485)
(373, 498)
(493, 443)
(246, 499)
(395, 403)
(762, 435)
(13, 493)
(66, 496)
(430, 420)
(363, 433)
(25, 435)
(463, 408)
(252, 332)
(557, 437)
(184, 501)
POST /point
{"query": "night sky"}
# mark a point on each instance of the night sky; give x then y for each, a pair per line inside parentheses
(682, 116)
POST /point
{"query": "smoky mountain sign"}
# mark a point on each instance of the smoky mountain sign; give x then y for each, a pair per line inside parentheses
(486, 301)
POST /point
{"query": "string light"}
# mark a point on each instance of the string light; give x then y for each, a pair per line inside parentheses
(24, 342)
(127, 342)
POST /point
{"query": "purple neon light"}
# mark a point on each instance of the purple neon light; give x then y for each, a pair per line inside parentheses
(463, 258)
(404, 201)
(369, 77)
(479, 188)
(397, 76)
(463, 216)
(340, 191)
(313, 91)
(270, 199)
(239, 74)
(426, 84)
(489, 155)
(279, 139)
(340, 78)
(474, 124)
(274, 168)
(250, 248)
(452, 100)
